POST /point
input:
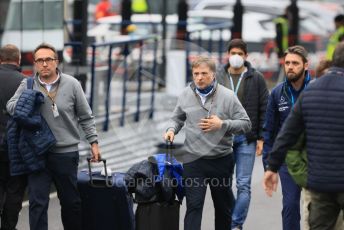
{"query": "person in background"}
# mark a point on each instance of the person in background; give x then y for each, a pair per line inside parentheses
(249, 86)
(12, 188)
(211, 114)
(139, 6)
(103, 9)
(322, 67)
(281, 39)
(281, 101)
(319, 118)
(336, 37)
(65, 109)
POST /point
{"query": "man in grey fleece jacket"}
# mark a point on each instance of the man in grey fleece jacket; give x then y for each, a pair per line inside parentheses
(211, 114)
(65, 107)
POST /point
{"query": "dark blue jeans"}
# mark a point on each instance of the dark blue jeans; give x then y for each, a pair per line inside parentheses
(61, 169)
(197, 175)
(291, 200)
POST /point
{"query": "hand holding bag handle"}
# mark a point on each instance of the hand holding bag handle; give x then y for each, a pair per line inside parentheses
(108, 181)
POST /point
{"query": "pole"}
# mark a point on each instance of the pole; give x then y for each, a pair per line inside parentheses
(182, 19)
(80, 32)
(294, 20)
(164, 32)
(126, 16)
(238, 10)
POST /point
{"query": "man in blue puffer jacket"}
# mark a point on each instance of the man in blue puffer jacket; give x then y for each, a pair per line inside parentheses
(281, 100)
(321, 118)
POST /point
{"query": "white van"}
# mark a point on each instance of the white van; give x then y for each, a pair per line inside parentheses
(27, 23)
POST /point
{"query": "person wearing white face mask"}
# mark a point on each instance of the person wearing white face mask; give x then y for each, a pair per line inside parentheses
(249, 86)
(236, 61)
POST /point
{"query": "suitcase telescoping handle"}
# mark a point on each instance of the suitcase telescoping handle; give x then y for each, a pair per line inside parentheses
(169, 156)
(108, 182)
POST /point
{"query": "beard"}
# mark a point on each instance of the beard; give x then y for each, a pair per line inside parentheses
(294, 77)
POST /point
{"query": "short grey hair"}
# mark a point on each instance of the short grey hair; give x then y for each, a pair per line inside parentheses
(204, 60)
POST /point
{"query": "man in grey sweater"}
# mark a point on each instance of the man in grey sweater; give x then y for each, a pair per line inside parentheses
(65, 107)
(211, 114)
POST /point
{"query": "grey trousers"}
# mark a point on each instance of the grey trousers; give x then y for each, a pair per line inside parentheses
(324, 210)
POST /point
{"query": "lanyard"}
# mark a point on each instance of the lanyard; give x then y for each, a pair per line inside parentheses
(292, 97)
(211, 103)
(306, 81)
(51, 95)
(238, 84)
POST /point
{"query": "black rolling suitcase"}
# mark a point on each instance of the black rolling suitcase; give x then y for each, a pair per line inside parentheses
(159, 215)
(106, 203)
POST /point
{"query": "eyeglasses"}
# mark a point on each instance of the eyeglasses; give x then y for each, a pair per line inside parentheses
(48, 61)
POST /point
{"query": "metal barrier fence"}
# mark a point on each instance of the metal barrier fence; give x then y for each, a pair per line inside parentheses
(208, 40)
(126, 46)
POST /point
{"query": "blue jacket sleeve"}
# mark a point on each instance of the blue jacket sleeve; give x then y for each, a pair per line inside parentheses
(287, 137)
(270, 126)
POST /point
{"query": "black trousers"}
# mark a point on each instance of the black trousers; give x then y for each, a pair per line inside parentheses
(61, 169)
(12, 189)
(197, 175)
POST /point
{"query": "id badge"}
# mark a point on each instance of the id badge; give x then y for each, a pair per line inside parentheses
(55, 110)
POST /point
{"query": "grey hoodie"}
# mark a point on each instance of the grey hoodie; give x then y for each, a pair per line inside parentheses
(189, 111)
